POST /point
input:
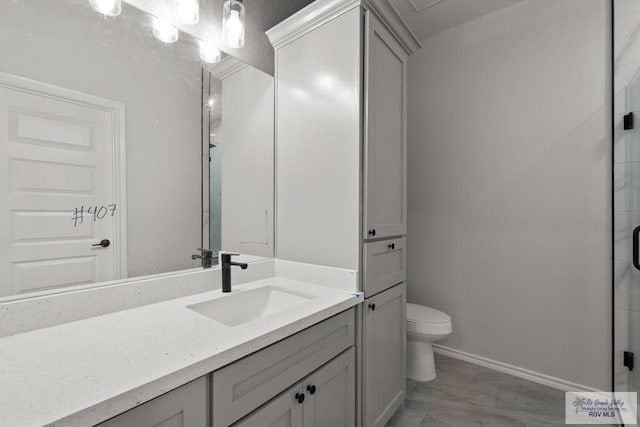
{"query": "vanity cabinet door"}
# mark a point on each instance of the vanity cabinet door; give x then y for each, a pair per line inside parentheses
(384, 369)
(385, 133)
(183, 407)
(283, 411)
(331, 394)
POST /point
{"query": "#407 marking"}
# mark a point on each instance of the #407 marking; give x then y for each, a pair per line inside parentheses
(92, 211)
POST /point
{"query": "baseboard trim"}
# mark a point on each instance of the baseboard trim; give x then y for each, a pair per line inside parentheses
(516, 371)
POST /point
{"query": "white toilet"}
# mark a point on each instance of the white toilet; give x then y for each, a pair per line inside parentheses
(424, 325)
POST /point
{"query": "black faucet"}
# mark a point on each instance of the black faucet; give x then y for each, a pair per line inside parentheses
(226, 270)
(206, 257)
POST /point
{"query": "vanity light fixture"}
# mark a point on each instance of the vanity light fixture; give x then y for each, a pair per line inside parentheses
(188, 11)
(107, 7)
(233, 23)
(164, 31)
(209, 53)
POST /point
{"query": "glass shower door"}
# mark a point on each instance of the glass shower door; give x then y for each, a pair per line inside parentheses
(627, 237)
(626, 195)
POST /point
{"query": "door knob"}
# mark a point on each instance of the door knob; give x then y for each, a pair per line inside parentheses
(372, 307)
(311, 389)
(372, 232)
(103, 243)
(392, 246)
(300, 397)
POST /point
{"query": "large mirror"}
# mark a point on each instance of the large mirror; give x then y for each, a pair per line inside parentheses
(124, 146)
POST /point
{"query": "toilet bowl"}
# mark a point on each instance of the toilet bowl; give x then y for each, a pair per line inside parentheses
(424, 325)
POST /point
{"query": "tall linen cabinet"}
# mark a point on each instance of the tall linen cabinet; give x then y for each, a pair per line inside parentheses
(341, 170)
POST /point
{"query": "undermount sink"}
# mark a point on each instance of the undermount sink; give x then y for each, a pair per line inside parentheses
(247, 305)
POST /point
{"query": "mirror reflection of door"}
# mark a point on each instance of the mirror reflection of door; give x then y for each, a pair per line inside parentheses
(60, 202)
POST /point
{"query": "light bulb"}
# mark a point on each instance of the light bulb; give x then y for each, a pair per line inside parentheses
(188, 11)
(209, 53)
(234, 30)
(164, 31)
(107, 7)
(233, 23)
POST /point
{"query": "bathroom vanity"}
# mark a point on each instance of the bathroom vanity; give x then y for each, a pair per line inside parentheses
(294, 343)
(310, 189)
(319, 361)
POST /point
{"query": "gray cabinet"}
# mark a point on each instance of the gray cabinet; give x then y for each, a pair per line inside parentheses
(185, 406)
(330, 397)
(345, 68)
(345, 97)
(245, 385)
(326, 398)
(385, 188)
(384, 369)
(283, 411)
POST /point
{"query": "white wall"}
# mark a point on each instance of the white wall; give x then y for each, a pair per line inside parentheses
(67, 44)
(509, 186)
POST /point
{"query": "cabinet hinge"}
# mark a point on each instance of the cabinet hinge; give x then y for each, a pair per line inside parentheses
(628, 360)
(628, 121)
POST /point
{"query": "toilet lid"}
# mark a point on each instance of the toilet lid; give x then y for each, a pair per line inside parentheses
(422, 314)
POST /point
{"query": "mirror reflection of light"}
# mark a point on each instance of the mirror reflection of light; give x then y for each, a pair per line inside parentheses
(209, 53)
(164, 31)
(335, 90)
(346, 96)
(188, 11)
(299, 93)
(234, 27)
(107, 7)
(211, 102)
(326, 82)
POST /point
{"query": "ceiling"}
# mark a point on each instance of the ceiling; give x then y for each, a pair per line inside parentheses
(429, 17)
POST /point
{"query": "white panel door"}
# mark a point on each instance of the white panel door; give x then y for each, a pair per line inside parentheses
(57, 154)
(385, 138)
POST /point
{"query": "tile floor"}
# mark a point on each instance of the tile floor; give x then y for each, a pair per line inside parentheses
(464, 394)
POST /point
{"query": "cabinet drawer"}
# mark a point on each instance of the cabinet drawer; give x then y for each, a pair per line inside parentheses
(246, 384)
(186, 406)
(384, 265)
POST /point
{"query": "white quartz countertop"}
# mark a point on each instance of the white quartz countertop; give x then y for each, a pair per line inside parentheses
(85, 372)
